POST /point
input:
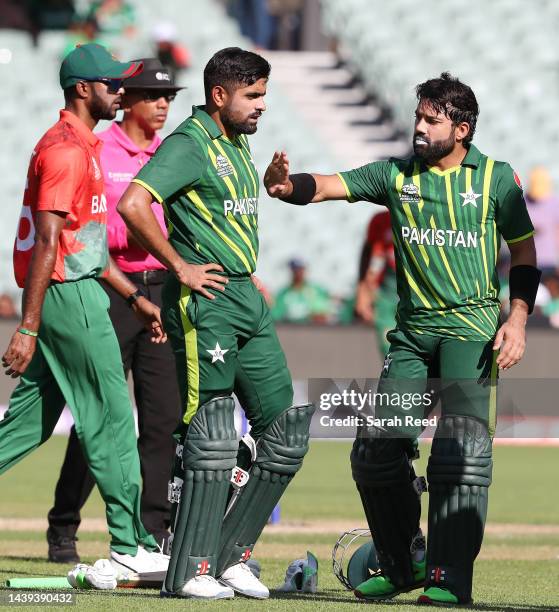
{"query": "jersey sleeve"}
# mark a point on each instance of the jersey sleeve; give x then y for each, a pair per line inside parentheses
(369, 182)
(60, 170)
(512, 218)
(177, 163)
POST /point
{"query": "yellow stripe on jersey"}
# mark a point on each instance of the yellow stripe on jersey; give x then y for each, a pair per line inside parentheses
(192, 364)
(409, 215)
(521, 238)
(445, 261)
(417, 290)
(222, 151)
(244, 151)
(417, 183)
(149, 188)
(461, 316)
(485, 198)
(191, 193)
(449, 198)
(347, 191)
(424, 279)
(230, 218)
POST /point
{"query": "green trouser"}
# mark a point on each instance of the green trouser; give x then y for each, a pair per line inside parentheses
(77, 362)
(462, 373)
(224, 345)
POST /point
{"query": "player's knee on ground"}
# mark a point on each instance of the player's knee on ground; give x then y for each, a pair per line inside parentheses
(389, 491)
(209, 453)
(277, 457)
(459, 474)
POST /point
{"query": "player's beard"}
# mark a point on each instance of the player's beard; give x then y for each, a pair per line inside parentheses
(101, 108)
(434, 151)
(235, 126)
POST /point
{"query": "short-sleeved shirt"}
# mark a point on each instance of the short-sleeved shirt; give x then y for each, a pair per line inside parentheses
(65, 176)
(209, 189)
(447, 228)
(379, 238)
(121, 158)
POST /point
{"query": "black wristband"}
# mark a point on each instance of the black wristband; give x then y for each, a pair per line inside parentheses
(523, 284)
(304, 189)
(131, 299)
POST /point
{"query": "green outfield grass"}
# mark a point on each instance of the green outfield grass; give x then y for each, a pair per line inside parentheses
(517, 570)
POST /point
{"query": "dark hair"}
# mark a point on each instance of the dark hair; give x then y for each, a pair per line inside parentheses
(450, 96)
(70, 94)
(232, 67)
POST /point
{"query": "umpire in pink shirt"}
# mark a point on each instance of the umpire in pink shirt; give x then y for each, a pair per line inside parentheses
(127, 146)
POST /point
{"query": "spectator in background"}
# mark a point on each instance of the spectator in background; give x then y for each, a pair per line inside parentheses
(115, 17)
(7, 307)
(543, 207)
(81, 32)
(255, 21)
(376, 297)
(168, 51)
(301, 301)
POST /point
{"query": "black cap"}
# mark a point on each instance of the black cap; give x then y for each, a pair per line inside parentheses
(154, 76)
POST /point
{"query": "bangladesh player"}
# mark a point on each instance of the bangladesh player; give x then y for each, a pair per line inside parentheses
(65, 349)
(221, 332)
(450, 205)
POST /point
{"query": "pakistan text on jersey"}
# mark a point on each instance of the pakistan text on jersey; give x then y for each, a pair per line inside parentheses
(243, 206)
(439, 237)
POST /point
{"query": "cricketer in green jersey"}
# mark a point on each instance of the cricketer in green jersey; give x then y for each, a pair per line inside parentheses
(449, 205)
(221, 332)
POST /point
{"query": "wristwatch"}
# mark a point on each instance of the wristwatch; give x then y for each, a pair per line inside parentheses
(131, 299)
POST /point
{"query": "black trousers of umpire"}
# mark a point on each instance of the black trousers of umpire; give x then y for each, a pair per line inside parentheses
(159, 411)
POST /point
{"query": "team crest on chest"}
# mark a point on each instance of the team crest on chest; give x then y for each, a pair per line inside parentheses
(470, 197)
(410, 194)
(224, 168)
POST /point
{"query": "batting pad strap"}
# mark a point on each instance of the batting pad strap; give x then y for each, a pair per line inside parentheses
(208, 458)
(281, 450)
(523, 284)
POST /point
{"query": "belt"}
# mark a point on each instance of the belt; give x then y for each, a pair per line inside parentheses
(149, 277)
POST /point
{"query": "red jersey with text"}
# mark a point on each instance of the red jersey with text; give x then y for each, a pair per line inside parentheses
(65, 176)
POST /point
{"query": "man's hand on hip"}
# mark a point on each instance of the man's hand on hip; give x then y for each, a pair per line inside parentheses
(198, 277)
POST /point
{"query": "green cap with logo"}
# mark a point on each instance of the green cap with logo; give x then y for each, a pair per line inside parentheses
(91, 61)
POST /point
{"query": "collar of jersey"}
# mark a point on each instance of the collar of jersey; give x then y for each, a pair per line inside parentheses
(119, 136)
(211, 127)
(472, 159)
(80, 127)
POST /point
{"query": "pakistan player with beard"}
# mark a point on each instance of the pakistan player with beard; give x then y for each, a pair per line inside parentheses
(450, 205)
(221, 332)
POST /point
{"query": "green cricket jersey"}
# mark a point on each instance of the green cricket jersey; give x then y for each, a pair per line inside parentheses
(447, 228)
(208, 186)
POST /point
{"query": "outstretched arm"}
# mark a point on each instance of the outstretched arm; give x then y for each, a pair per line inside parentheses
(280, 184)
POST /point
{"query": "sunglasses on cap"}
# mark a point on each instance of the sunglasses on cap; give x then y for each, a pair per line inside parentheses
(113, 85)
(152, 95)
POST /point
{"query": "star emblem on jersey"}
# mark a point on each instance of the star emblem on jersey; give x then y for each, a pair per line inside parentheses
(217, 353)
(470, 197)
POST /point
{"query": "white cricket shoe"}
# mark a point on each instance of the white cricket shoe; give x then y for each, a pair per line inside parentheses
(144, 565)
(201, 587)
(101, 575)
(240, 578)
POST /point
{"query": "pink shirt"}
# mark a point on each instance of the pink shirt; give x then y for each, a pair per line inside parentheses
(121, 160)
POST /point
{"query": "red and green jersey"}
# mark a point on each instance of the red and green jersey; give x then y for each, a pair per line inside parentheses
(65, 176)
(447, 228)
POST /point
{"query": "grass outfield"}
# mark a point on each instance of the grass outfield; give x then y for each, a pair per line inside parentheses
(518, 568)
